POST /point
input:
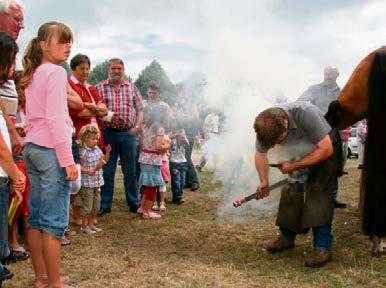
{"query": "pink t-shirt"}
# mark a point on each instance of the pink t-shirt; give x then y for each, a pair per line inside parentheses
(48, 123)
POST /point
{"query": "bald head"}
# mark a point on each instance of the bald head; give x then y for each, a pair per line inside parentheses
(331, 73)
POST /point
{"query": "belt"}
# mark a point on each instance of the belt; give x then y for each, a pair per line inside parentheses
(4, 181)
(119, 129)
(151, 151)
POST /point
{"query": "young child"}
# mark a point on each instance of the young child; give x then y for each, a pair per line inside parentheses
(178, 164)
(47, 149)
(150, 159)
(160, 205)
(91, 161)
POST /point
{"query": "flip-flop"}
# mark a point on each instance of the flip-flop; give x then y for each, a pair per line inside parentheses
(65, 241)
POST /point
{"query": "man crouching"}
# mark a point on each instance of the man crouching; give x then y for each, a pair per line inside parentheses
(306, 200)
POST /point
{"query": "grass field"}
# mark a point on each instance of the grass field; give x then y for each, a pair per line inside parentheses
(190, 247)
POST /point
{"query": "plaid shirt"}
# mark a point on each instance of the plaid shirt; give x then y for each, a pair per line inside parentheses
(90, 158)
(124, 103)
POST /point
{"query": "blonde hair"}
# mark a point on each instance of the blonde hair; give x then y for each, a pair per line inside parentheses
(33, 55)
(85, 133)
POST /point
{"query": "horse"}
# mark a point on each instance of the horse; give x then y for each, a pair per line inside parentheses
(364, 96)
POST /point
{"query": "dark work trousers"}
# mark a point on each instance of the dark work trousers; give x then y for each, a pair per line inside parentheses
(191, 174)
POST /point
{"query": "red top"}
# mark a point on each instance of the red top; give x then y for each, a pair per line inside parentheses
(86, 93)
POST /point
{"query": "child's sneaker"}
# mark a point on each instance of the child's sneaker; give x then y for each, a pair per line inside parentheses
(151, 216)
(155, 206)
(162, 206)
(96, 229)
(140, 210)
(87, 230)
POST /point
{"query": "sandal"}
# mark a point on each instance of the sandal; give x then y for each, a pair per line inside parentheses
(16, 255)
(65, 241)
(151, 216)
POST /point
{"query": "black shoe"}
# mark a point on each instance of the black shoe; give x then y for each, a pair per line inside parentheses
(103, 211)
(5, 274)
(345, 172)
(15, 256)
(195, 187)
(178, 201)
(187, 186)
(133, 209)
(340, 205)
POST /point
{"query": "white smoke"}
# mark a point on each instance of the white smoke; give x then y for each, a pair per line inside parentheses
(248, 65)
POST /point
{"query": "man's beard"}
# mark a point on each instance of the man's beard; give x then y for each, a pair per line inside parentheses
(115, 79)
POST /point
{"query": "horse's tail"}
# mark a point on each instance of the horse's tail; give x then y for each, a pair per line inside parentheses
(374, 213)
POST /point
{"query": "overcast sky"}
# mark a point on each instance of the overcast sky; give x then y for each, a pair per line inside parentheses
(182, 34)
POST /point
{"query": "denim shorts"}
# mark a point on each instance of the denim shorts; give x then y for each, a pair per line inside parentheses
(50, 192)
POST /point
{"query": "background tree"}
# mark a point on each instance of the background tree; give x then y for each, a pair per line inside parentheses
(155, 74)
(99, 73)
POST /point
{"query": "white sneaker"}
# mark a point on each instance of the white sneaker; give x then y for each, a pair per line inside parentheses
(96, 229)
(162, 206)
(87, 230)
(155, 206)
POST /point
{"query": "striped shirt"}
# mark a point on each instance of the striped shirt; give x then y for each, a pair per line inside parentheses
(90, 158)
(124, 103)
(9, 96)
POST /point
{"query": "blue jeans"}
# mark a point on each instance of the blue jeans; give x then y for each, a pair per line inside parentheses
(4, 198)
(178, 173)
(124, 145)
(49, 199)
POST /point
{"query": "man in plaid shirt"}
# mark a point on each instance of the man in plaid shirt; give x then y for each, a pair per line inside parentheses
(121, 127)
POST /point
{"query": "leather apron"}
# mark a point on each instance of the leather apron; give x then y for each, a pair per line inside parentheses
(309, 204)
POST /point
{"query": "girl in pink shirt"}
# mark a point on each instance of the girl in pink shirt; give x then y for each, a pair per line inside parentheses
(47, 149)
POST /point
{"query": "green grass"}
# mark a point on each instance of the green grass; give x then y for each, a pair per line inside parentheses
(190, 247)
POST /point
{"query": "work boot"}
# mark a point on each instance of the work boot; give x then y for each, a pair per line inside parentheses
(318, 258)
(280, 244)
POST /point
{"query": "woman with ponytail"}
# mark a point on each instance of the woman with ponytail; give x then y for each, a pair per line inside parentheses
(47, 149)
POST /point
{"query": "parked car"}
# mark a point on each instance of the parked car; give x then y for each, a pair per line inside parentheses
(353, 149)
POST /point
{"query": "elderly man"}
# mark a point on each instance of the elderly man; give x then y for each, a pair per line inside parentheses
(321, 95)
(121, 127)
(306, 200)
(11, 22)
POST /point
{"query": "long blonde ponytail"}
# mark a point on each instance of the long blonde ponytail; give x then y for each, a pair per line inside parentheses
(33, 56)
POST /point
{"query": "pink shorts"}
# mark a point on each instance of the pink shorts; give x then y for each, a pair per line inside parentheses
(165, 173)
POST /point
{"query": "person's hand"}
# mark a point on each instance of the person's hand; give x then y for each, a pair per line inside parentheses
(91, 107)
(19, 185)
(134, 130)
(287, 167)
(262, 189)
(108, 148)
(20, 131)
(115, 120)
(72, 172)
(16, 142)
